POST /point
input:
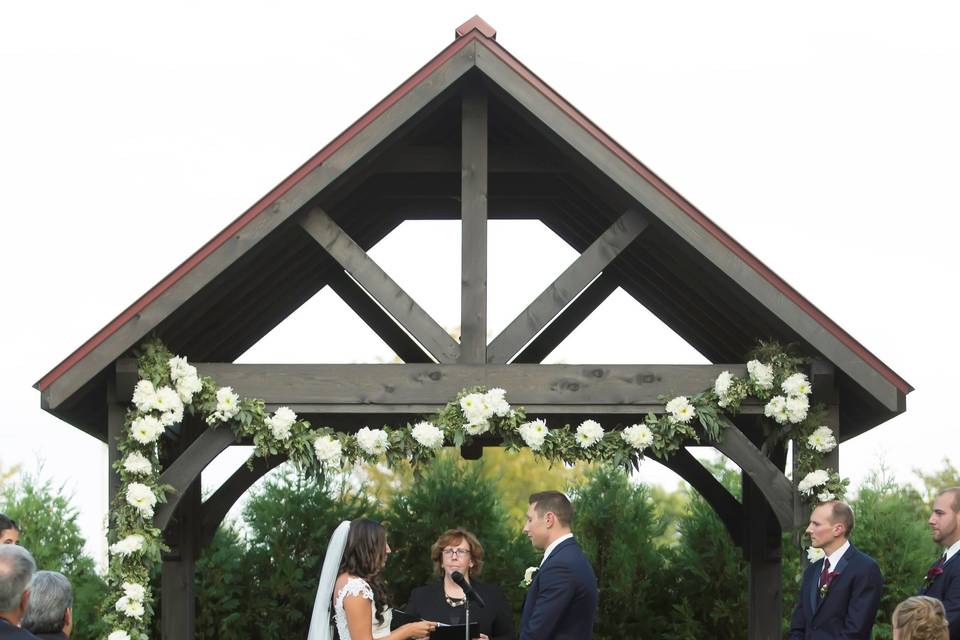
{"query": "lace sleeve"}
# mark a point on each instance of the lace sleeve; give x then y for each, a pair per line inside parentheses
(354, 587)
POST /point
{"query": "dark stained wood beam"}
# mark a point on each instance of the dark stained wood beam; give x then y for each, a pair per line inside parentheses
(437, 159)
(380, 286)
(473, 237)
(569, 319)
(566, 287)
(215, 507)
(376, 318)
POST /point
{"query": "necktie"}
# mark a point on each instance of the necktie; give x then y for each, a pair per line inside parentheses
(825, 572)
(942, 559)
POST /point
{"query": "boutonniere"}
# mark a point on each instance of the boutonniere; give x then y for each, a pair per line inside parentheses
(932, 574)
(825, 589)
(528, 577)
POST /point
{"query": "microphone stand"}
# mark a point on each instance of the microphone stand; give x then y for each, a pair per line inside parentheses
(466, 611)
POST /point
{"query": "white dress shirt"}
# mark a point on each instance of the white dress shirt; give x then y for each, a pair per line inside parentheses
(952, 549)
(834, 557)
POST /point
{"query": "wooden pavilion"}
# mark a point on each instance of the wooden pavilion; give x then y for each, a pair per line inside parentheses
(473, 135)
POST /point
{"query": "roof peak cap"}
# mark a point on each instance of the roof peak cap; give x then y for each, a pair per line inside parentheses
(478, 23)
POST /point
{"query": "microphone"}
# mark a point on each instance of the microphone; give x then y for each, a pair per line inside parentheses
(468, 591)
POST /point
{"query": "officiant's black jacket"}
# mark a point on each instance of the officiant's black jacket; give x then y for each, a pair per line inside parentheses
(946, 588)
(495, 619)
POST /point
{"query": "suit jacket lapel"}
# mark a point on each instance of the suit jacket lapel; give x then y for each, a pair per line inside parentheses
(839, 569)
(813, 585)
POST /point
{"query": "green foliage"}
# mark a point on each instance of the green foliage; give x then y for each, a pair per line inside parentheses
(49, 530)
(617, 524)
(934, 482)
(222, 588)
(446, 495)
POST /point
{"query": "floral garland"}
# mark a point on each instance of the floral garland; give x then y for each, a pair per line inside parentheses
(169, 387)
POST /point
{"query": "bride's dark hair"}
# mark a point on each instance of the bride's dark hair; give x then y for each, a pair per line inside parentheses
(365, 556)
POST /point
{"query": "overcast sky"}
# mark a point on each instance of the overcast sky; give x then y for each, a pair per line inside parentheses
(823, 136)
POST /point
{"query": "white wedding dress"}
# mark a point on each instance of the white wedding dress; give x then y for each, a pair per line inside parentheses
(358, 587)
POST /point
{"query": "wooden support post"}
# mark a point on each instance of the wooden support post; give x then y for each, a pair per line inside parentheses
(763, 553)
(823, 380)
(473, 239)
(115, 417)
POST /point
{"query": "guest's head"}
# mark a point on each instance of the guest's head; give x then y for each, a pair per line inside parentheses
(50, 608)
(831, 524)
(365, 556)
(457, 550)
(549, 516)
(9, 531)
(16, 570)
(945, 520)
(920, 618)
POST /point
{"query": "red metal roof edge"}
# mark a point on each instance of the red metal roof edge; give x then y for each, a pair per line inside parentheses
(709, 225)
(319, 158)
(521, 69)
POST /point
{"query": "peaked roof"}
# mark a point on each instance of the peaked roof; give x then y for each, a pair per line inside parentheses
(474, 51)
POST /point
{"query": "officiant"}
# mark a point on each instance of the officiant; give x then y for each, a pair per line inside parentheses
(444, 600)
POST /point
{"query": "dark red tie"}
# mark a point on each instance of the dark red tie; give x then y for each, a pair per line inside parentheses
(825, 573)
(942, 559)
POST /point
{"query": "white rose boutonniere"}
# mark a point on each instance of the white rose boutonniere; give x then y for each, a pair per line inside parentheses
(528, 576)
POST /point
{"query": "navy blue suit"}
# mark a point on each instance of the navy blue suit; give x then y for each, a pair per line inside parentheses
(561, 602)
(849, 608)
(13, 632)
(946, 588)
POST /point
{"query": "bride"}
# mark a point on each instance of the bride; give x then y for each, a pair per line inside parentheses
(351, 584)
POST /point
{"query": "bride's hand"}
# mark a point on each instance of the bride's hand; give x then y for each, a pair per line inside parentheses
(420, 629)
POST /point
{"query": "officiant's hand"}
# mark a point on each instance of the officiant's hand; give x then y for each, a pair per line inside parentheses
(418, 630)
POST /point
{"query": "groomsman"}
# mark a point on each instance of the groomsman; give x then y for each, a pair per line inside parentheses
(943, 577)
(840, 594)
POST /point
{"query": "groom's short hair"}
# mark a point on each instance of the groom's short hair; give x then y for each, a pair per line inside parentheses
(555, 502)
(840, 512)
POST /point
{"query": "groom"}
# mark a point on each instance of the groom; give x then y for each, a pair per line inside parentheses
(561, 601)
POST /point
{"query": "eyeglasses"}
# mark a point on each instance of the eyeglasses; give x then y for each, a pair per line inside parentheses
(456, 553)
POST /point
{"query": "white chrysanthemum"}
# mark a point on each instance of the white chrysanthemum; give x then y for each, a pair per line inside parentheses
(129, 607)
(589, 433)
(534, 433)
(813, 480)
(187, 387)
(180, 368)
(228, 403)
(638, 436)
(137, 463)
(144, 395)
(476, 408)
(797, 407)
(476, 428)
(134, 591)
(680, 409)
(128, 546)
(815, 554)
(822, 440)
(174, 416)
(281, 422)
(761, 374)
(427, 435)
(142, 497)
(167, 399)
(826, 496)
(374, 442)
(496, 400)
(328, 450)
(118, 635)
(722, 384)
(777, 409)
(146, 429)
(796, 385)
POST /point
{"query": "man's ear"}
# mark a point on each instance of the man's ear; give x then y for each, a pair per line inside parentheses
(68, 621)
(23, 601)
(550, 518)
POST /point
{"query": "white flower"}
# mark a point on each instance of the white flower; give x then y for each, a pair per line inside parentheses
(822, 440)
(761, 374)
(281, 422)
(814, 554)
(143, 395)
(796, 385)
(137, 463)
(797, 408)
(534, 433)
(777, 409)
(374, 442)
(496, 400)
(134, 591)
(119, 635)
(813, 480)
(476, 408)
(128, 546)
(528, 576)
(476, 428)
(638, 436)
(228, 403)
(142, 497)
(680, 409)
(427, 435)
(174, 416)
(167, 399)
(589, 433)
(129, 607)
(187, 387)
(826, 496)
(328, 450)
(146, 429)
(180, 368)
(722, 384)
